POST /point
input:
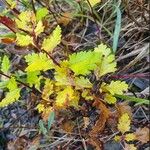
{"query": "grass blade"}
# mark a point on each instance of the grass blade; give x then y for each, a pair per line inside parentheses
(51, 119)
(117, 29)
(134, 99)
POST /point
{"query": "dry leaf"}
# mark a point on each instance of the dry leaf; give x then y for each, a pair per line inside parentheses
(68, 126)
(96, 143)
(100, 124)
(130, 147)
(65, 18)
(142, 134)
(7, 40)
(124, 108)
(18, 144)
(86, 122)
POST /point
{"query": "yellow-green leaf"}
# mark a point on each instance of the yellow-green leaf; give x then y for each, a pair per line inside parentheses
(41, 13)
(12, 3)
(23, 40)
(38, 62)
(81, 83)
(107, 63)
(10, 98)
(83, 62)
(5, 64)
(115, 87)
(12, 84)
(53, 40)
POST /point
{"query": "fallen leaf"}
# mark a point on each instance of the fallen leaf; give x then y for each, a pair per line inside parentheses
(68, 126)
(124, 108)
(142, 134)
(65, 18)
(100, 124)
(8, 40)
(86, 122)
(18, 144)
(96, 143)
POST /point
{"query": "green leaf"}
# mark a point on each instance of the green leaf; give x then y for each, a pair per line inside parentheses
(38, 62)
(41, 13)
(12, 84)
(42, 127)
(5, 64)
(83, 62)
(133, 99)
(33, 78)
(8, 35)
(10, 98)
(51, 119)
(117, 29)
(51, 42)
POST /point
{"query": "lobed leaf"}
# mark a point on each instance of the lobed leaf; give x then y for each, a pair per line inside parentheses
(38, 62)
(23, 40)
(82, 63)
(5, 64)
(53, 40)
(10, 98)
(124, 123)
(41, 13)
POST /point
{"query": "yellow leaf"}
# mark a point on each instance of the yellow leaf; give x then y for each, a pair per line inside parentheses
(115, 87)
(39, 28)
(62, 74)
(130, 147)
(23, 40)
(94, 2)
(55, 38)
(110, 99)
(67, 97)
(40, 108)
(48, 89)
(130, 137)
(117, 138)
(124, 123)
